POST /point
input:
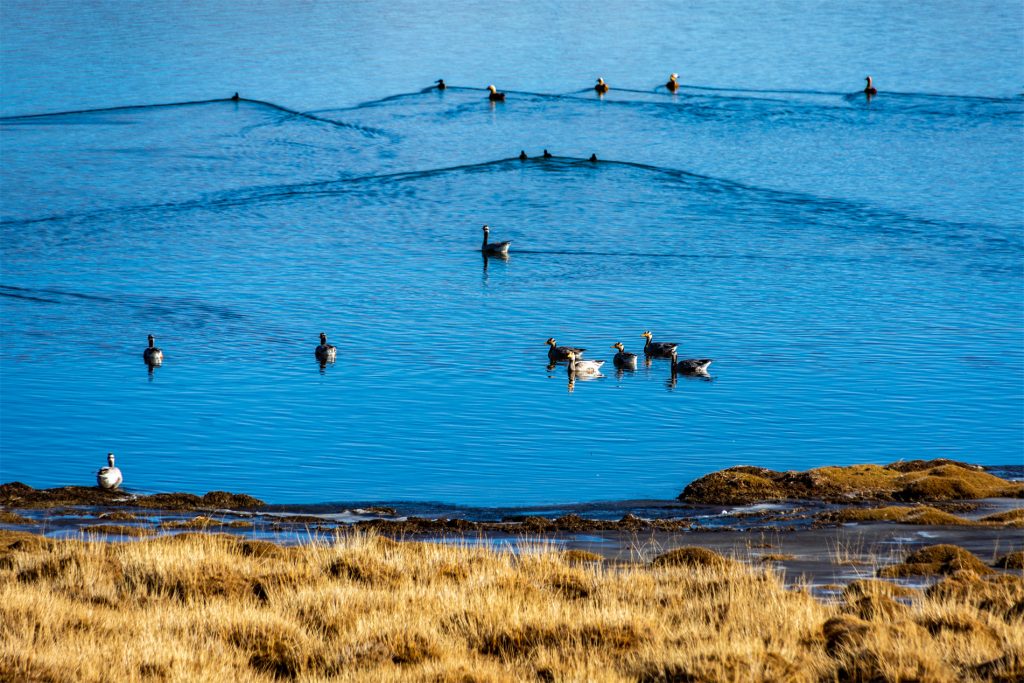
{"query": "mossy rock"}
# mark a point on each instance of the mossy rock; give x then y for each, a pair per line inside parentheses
(735, 486)
(690, 556)
(916, 481)
(936, 560)
(918, 514)
(1011, 518)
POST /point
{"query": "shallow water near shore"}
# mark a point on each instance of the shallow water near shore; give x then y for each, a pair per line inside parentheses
(853, 266)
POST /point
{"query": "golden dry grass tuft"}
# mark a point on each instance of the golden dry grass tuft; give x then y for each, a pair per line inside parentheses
(211, 607)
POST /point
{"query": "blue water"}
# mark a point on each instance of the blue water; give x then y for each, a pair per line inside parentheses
(854, 267)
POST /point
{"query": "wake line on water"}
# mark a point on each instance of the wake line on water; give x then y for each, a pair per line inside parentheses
(366, 130)
(338, 186)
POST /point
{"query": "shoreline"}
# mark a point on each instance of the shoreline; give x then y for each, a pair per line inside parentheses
(818, 540)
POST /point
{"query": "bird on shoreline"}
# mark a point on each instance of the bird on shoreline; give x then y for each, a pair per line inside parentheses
(522, 155)
(152, 355)
(601, 86)
(559, 353)
(109, 477)
(583, 367)
(593, 158)
(494, 95)
(690, 366)
(235, 97)
(624, 359)
(658, 349)
(673, 83)
(547, 154)
(440, 84)
(870, 89)
(325, 352)
(494, 248)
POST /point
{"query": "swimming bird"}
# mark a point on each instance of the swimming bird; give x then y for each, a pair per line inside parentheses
(152, 355)
(522, 155)
(440, 84)
(325, 352)
(547, 154)
(673, 83)
(583, 367)
(870, 89)
(658, 349)
(690, 366)
(235, 97)
(601, 86)
(593, 157)
(624, 359)
(559, 353)
(494, 248)
(109, 477)
(495, 96)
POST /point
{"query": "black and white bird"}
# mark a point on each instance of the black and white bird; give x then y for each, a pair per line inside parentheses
(325, 352)
(152, 355)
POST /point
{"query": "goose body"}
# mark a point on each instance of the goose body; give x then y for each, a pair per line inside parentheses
(870, 89)
(658, 349)
(601, 86)
(690, 366)
(558, 353)
(673, 83)
(494, 95)
(624, 359)
(494, 248)
(109, 477)
(152, 355)
(325, 352)
(583, 367)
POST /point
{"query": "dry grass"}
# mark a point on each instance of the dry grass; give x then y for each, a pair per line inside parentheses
(208, 607)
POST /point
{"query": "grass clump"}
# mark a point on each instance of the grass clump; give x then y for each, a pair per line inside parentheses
(1011, 518)
(1014, 560)
(690, 556)
(361, 608)
(936, 560)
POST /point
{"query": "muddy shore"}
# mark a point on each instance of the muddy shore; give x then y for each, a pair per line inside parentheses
(863, 520)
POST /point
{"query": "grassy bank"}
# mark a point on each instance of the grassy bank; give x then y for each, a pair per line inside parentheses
(211, 607)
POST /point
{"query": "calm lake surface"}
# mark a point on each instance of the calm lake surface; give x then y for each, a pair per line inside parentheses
(854, 267)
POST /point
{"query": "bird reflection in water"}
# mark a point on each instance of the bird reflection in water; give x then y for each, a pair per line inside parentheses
(497, 257)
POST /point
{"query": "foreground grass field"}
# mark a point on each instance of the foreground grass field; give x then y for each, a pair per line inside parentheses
(198, 607)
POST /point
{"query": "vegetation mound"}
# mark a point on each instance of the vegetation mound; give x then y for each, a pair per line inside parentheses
(18, 495)
(914, 481)
(936, 560)
(1014, 560)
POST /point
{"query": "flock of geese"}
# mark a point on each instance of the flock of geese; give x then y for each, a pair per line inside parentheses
(672, 85)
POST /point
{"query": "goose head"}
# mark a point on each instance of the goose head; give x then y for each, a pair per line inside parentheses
(151, 339)
(323, 338)
(647, 334)
(110, 459)
(600, 81)
(619, 346)
(550, 342)
(492, 88)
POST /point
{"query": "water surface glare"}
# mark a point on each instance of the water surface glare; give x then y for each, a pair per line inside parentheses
(854, 268)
